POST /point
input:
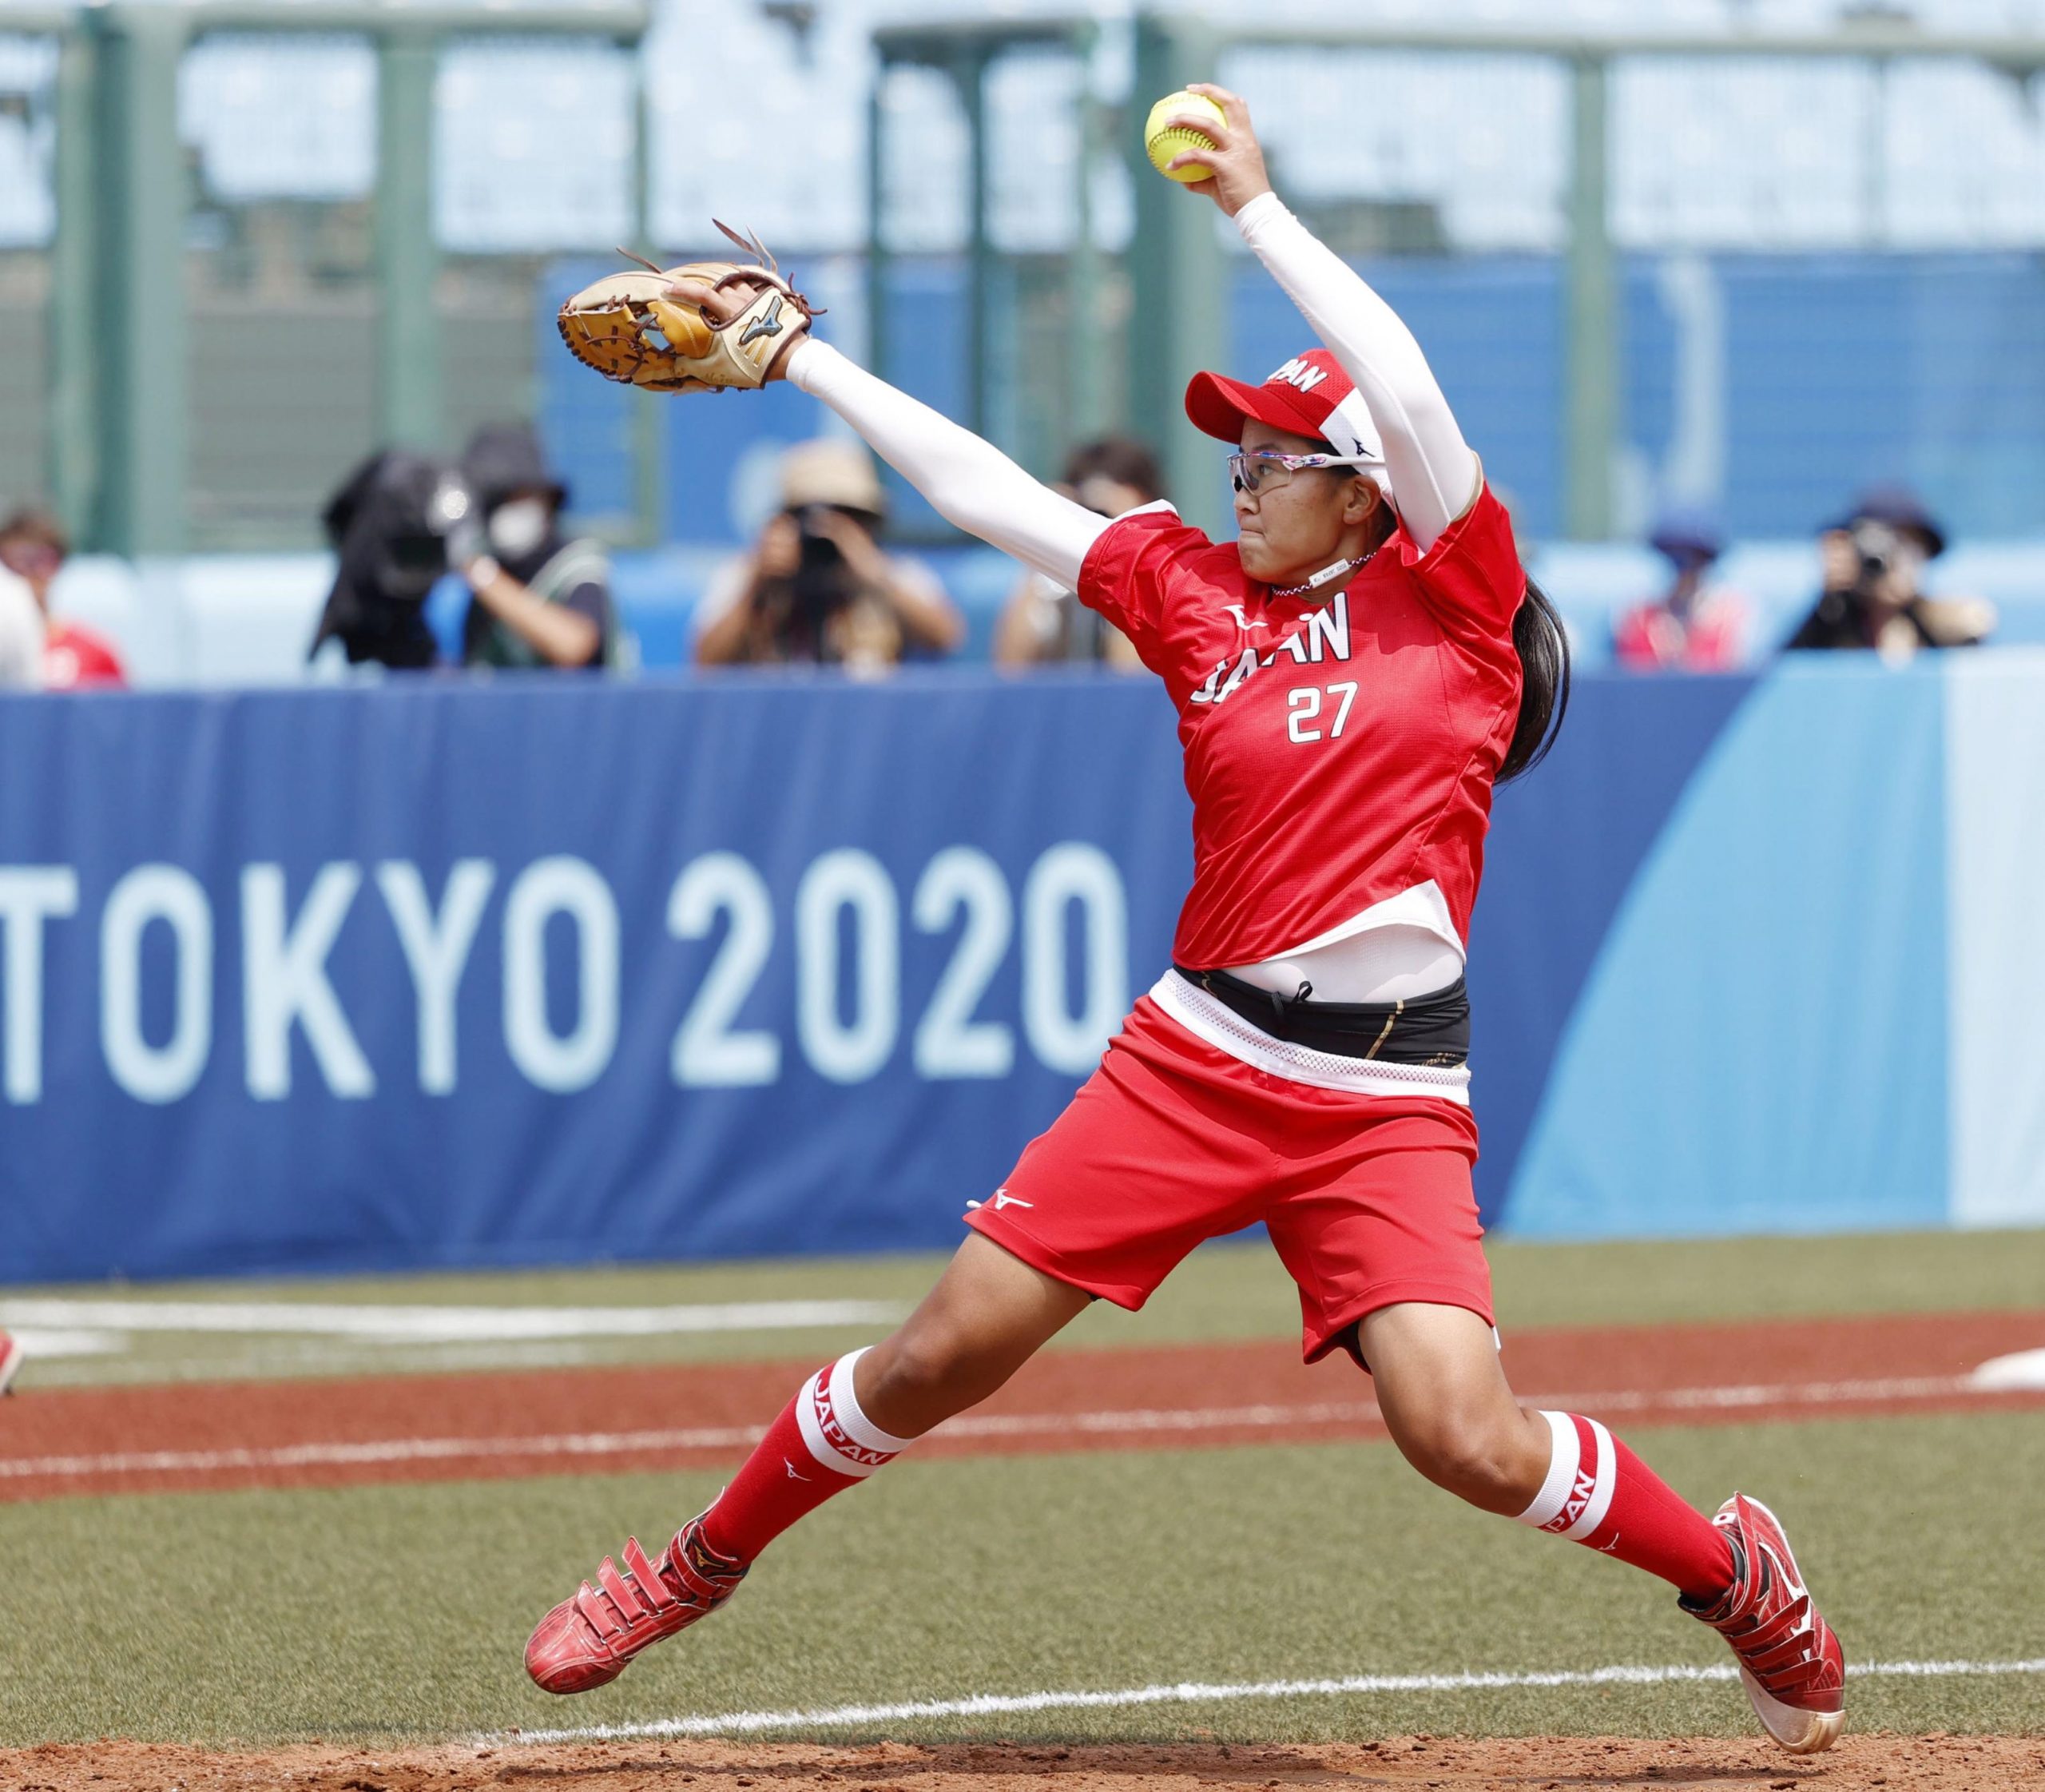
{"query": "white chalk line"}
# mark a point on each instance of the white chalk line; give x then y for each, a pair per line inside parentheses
(284, 1359)
(1195, 1692)
(1155, 1421)
(47, 1341)
(376, 1451)
(433, 1325)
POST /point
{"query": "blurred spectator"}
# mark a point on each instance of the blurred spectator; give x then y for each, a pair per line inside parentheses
(392, 525)
(34, 547)
(539, 598)
(1042, 624)
(1873, 563)
(21, 635)
(817, 587)
(1692, 626)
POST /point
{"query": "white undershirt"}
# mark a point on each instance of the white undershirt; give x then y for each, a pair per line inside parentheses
(1385, 964)
(1395, 951)
(1383, 954)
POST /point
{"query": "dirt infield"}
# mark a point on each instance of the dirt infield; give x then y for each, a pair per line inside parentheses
(70, 1442)
(1895, 1763)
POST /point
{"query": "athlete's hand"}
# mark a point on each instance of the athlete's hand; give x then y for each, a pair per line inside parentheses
(722, 305)
(1236, 158)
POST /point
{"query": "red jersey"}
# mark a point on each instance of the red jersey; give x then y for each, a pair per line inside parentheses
(1339, 751)
(74, 658)
(1650, 637)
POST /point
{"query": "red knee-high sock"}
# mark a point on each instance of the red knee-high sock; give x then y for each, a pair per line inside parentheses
(821, 1445)
(1598, 1493)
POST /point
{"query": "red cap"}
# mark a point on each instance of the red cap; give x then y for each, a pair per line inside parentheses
(1309, 395)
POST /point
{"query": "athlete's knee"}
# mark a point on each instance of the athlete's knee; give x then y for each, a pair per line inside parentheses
(926, 1372)
(1481, 1451)
(913, 1366)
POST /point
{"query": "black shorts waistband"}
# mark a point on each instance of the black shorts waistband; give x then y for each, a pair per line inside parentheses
(1432, 1030)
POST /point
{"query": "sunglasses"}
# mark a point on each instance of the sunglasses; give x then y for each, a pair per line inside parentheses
(1264, 470)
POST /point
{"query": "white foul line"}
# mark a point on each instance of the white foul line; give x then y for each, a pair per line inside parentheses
(379, 1450)
(438, 1324)
(1196, 1692)
(1155, 1422)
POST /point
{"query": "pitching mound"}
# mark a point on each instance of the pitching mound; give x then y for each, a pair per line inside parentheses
(1895, 1763)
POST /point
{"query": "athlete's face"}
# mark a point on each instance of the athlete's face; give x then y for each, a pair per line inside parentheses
(1294, 524)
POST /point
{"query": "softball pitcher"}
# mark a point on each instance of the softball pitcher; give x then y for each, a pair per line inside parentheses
(1352, 674)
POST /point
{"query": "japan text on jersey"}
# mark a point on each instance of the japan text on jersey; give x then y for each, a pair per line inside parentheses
(1323, 635)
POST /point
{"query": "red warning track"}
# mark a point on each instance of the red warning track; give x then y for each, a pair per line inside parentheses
(325, 1434)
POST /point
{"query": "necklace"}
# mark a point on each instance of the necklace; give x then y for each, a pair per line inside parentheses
(1325, 576)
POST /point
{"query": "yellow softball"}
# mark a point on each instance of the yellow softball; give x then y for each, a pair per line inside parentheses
(1161, 141)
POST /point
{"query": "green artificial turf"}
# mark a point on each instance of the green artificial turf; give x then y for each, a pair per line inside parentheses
(399, 1611)
(1226, 1291)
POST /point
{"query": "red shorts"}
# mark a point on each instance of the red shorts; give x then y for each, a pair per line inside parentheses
(1173, 1141)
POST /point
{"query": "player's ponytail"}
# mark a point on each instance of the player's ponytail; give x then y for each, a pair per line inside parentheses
(1542, 644)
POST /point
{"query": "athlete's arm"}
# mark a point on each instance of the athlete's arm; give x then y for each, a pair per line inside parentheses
(1434, 471)
(972, 484)
(1434, 474)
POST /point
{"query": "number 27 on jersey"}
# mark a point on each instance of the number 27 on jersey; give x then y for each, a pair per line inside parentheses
(1306, 711)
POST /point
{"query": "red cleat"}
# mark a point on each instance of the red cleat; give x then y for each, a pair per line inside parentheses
(1791, 1663)
(10, 1360)
(586, 1641)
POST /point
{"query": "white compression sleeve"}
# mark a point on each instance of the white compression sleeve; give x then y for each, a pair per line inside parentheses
(970, 483)
(1434, 472)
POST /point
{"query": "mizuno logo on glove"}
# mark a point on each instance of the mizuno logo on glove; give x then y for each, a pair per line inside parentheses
(767, 323)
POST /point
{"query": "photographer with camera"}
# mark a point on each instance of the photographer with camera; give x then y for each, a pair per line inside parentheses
(1873, 563)
(394, 526)
(402, 521)
(817, 587)
(539, 599)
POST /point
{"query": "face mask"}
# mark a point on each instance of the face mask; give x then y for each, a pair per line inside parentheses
(518, 527)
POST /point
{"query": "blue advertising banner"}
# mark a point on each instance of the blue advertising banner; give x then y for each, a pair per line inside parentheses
(439, 973)
(549, 970)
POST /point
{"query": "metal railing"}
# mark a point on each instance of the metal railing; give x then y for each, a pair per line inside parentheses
(1176, 264)
(119, 392)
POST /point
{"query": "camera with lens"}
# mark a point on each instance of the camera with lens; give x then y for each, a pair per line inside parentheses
(399, 522)
(823, 582)
(1879, 547)
(818, 548)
